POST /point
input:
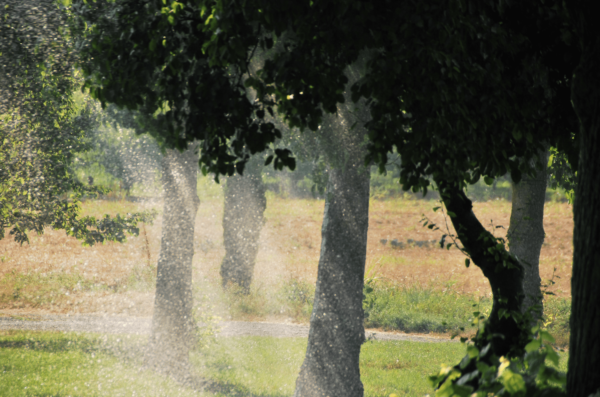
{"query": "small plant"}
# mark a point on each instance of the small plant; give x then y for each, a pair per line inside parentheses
(369, 298)
(297, 297)
(243, 303)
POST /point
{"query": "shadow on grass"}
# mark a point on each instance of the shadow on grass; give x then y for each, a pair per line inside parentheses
(55, 346)
(230, 389)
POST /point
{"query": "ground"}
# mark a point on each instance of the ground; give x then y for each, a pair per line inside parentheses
(56, 274)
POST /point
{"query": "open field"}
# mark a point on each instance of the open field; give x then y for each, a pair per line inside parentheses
(56, 274)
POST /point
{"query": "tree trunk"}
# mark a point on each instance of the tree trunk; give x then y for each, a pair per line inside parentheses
(172, 323)
(584, 347)
(245, 204)
(506, 334)
(331, 365)
(526, 233)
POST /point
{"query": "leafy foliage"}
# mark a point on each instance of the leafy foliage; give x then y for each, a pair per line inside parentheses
(113, 147)
(561, 173)
(160, 67)
(532, 375)
(41, 128)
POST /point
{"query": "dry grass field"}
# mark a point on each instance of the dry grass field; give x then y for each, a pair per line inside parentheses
(56, 274)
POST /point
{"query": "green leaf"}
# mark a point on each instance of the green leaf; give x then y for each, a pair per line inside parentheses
(467, 262)
(472, 351)
(517, 135)
(513, 383)
(488, 181)
(533, 345)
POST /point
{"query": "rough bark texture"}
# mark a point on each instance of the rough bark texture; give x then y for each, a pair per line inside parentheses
(330, 367)
(506, 335)
(245, 204)
(331, 364)
(172, 323)
(526, 233)
(584, 347)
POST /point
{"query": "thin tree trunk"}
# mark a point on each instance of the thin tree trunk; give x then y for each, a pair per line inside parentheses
(172, 323)
(506, 335)
(245, 204)
(584, 347)
(526, 233)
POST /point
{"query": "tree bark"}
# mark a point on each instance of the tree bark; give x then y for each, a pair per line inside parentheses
(172, 323)
(331, 367)
(331, 364)
(526, 233)
(506, 334)
(245, 204)
(584, 346)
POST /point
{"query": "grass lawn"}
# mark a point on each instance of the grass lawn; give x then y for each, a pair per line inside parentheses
(57, 364)
(60, 365)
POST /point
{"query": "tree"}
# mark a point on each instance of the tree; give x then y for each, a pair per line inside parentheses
(150, 78)
(117, 151)
(584, 346)
(331, 364)
(452, 86)
(172, 322)
(41, 129)
(526, 232)
(245, 203)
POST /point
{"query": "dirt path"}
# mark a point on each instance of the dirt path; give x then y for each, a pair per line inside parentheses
(141, 326)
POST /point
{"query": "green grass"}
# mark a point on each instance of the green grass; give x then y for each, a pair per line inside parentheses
(419, 309)
(403, 367)
(557, 313)
(68, 364)
(260, 366)
(55, 364)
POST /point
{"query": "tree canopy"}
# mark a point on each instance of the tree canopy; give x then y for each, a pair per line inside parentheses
(41, 128)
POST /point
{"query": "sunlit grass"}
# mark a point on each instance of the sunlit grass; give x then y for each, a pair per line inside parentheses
(403, 367)
(418, 309)
(54, 364)
(69, 364)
